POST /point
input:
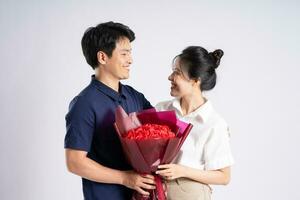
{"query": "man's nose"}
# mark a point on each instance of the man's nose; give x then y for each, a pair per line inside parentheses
(130, 61)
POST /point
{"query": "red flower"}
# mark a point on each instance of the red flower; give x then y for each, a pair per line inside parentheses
(150, 131)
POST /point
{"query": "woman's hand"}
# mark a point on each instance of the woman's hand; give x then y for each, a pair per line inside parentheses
(171, 171)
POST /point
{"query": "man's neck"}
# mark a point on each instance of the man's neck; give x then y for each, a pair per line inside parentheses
(108, 81)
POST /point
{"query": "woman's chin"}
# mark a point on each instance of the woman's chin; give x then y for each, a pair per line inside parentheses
(173, 94)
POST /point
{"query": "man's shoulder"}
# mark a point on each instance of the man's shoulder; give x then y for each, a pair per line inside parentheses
(88, 92)
(131, 91)
(85, 97)
(129, 88)
(137, 97)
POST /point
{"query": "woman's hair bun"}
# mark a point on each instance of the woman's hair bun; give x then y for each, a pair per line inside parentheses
(216, 56)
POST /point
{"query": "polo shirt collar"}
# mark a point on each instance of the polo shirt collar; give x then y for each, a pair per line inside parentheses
(202, 113)
(109, 91)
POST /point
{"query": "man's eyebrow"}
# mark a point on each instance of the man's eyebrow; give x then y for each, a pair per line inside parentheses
(128, 50)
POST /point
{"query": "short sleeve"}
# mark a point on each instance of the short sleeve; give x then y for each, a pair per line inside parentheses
(217, 151)
(163, 105)
(159, 106)
(145, 102)
(80, 123)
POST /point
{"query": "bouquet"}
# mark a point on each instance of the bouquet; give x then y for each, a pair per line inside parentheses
(150, 138)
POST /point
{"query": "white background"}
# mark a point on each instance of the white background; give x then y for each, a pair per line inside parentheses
(42, 69)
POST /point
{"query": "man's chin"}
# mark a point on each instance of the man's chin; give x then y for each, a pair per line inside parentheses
(124, 77)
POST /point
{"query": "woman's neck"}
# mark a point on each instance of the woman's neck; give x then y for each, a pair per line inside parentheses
(190, 103)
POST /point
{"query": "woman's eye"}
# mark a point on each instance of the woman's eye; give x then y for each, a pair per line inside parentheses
(177, 72)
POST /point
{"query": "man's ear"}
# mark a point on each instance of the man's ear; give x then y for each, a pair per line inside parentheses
(102, 57)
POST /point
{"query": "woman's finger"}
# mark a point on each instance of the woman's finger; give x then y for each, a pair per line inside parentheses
(163, 171)
(166, 175)
(163, 166)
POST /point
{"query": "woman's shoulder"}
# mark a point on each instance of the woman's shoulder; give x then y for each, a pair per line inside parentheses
(218, 124)
(214, 118)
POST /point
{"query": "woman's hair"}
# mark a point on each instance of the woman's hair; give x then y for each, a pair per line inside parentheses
(200, 65)
(103, 37)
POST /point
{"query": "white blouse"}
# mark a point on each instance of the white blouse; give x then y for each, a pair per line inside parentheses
(207, 145)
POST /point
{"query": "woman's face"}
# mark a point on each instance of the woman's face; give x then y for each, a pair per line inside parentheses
(181, 85)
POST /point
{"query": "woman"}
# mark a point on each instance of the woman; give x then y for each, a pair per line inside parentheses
(205, 157)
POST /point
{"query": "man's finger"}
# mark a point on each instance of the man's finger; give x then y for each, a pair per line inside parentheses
(147, 186)
(148, 181)
(148, 176)
(143, 192)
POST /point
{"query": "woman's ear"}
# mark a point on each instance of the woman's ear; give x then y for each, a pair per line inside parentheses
(197, 82)
(102, 57)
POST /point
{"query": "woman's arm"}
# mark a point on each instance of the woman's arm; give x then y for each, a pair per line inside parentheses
(215, 177)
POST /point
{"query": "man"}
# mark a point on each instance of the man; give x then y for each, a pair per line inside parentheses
(93, 150)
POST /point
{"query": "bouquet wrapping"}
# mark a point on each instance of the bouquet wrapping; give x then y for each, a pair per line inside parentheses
(150, 138)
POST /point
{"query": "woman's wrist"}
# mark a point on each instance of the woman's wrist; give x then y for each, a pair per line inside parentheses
(184, 171)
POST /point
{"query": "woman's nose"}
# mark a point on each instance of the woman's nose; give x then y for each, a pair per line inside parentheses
(170, 77)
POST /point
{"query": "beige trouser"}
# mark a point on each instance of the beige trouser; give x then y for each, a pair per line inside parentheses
(186, 189)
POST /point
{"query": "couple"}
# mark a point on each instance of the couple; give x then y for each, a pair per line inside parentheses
(92, 147)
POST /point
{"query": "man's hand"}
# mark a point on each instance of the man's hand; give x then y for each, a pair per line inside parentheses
(138, 182)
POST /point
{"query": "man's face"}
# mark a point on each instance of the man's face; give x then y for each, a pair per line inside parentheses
(118, 65)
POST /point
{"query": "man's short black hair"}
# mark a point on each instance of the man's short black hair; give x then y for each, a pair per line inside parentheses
(103, 37)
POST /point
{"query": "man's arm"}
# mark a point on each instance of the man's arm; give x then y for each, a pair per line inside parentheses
(79, 164)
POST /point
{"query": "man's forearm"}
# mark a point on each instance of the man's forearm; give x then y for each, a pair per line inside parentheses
(91, 170)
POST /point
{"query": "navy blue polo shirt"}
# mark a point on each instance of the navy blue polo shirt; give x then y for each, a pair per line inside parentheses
(89, 124)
